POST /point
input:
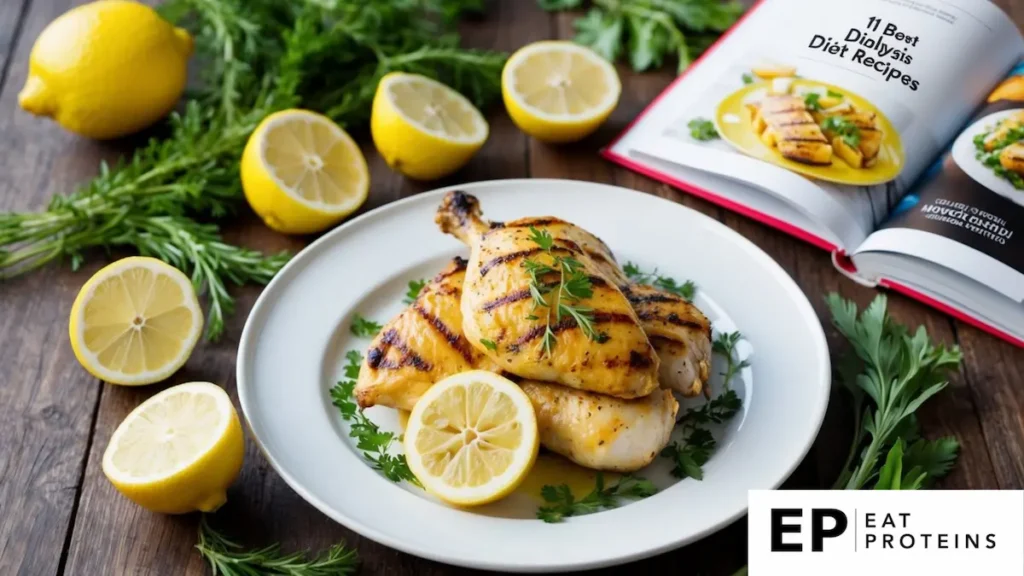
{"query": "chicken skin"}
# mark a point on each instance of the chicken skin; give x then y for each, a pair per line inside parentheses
(679, 332)
(614, 357)
(424, 344)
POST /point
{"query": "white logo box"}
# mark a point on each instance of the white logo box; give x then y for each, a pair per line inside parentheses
(933, 532)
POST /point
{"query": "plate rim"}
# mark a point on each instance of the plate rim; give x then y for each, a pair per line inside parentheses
(248, 339)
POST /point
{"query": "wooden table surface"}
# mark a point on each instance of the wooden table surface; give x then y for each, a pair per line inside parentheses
(59, 515)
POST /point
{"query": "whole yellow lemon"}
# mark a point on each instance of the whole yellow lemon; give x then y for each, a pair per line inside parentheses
(107, 69)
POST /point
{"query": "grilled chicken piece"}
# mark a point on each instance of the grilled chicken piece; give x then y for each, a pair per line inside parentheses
(1004, 128)
(496, 304)
(1012, 158)
(783, 122)
(421, 346)
(424, 344)
(601, 432)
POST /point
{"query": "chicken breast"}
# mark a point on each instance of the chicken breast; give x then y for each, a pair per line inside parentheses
(602, 432)
(424, 345)
(501, 318)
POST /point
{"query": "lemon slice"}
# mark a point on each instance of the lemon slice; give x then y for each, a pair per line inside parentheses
(178, 451)
(559, 91)
(422, 128)
(302, 173)
(135, 321)
(472, 438)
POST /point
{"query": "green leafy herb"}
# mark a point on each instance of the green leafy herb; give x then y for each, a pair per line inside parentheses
(489, 344)
(572, 287)
(748, 78)
(363, 328)
(374, 443)
(725, 346)
(415, 286)
(834, 94)
(561, 503)
(844, 128)
(257, 57)
(227, 558)
(650, 31)
(686, 290)
(890, 373)
(813, 101)
(697, 444)
(990, 158)
(702, 129)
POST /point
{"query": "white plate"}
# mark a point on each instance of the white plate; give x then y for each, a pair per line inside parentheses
(965, 155)
(294, 341)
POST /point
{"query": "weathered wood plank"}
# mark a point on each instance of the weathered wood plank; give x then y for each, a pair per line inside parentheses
(47, 402)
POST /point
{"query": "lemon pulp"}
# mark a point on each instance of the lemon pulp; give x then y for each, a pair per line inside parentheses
(135, 321)
(472, 438)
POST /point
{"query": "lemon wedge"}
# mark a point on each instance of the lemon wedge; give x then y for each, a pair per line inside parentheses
(422, 128)
(135, 321)
(302, 173)
(559, 91)
(178, 451)
(472, 438)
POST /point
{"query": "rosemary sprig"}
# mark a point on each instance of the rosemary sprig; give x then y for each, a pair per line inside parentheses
(257, 57)
(573, 286)
(725, 345)
(227, 558)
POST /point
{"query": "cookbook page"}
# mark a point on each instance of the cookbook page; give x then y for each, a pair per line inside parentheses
(967, 215)
(835, 107)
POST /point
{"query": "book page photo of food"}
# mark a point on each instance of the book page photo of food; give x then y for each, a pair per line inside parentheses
(810, 127)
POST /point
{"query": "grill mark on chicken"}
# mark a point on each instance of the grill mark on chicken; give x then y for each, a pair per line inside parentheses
(520, 254)
(509, 298)
(672, 318)
(637, 360)
(375, 358)
(455, 340)
(448, 290)
(648, 298)
(569, 323)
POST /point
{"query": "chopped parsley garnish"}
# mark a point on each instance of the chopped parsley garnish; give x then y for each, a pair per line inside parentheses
(844, 128)
(561, 503)
(813, 101)
(702, 129)
(415, 286)
(364, 328)
(489, 344)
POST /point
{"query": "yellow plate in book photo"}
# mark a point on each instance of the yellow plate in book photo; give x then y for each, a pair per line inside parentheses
(812, 128)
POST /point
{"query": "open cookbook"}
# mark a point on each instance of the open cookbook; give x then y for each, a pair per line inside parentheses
(890, 132)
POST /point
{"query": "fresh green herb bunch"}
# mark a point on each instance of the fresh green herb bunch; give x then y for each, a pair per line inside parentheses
(257, 57)
(651, 31)
(990, 158)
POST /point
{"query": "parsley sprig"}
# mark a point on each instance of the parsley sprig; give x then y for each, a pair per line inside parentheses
(651, 31)
(561, 503)
(702, 129)
(415, 286)
(227, 558)
(694, 450)
(725, 346)
(374, 443)
(686, 290)
(844, 128)
(572, 287)
(363, 328)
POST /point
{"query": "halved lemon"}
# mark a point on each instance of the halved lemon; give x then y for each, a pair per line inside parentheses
(558, 91)
(302, 173)
(472, 438)
(178, 451)
(135, 321)
(422, 128)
